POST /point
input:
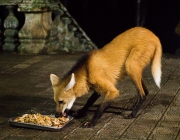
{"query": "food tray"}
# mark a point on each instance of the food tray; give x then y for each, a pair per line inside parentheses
(35, 126)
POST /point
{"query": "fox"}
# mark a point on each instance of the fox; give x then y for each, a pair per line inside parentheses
(101, 69)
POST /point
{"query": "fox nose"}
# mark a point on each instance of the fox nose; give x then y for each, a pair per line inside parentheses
(58, 114)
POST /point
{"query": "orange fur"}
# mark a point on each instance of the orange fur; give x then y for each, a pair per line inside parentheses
(127, 54)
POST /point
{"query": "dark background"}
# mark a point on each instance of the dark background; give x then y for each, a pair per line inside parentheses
(102, 20)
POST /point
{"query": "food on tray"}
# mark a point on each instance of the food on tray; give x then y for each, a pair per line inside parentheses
(44, 120)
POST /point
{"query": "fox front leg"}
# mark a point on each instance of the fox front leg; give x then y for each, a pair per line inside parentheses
(97, 115)
(88, 104)
(110, 94)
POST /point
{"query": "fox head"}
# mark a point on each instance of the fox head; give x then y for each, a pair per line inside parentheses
(64, 95)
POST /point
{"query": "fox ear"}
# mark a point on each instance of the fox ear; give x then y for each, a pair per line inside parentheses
(71, 83)
(54, 79)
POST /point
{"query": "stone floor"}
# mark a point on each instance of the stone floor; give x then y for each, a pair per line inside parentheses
(25, 87)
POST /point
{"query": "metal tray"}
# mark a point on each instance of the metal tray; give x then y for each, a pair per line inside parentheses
(35, 126)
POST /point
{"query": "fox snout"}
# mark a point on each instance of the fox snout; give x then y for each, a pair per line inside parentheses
(64, 114)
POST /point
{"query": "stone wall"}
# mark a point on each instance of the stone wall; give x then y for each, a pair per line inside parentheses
(47, 28)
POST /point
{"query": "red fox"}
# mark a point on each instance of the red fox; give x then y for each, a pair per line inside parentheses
(99, 70)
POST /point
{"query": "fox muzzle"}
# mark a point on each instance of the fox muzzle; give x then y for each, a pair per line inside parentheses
(60, 114)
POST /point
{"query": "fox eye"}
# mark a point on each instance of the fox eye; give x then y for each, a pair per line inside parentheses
(61, 102)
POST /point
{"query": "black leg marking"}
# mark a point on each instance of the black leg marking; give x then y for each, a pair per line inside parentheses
(97, 115)
(88, 104)
(145, 88)
(136, 108)
(139, 102)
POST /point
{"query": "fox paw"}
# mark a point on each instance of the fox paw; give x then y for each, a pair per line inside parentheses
(87, 125)
(130, 116)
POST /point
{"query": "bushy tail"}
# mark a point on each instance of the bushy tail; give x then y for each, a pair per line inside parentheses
(156, 65)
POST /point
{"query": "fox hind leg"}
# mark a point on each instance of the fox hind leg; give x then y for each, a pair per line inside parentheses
(139, 101)
(145, 88)
(136, 75)
(142, 93)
